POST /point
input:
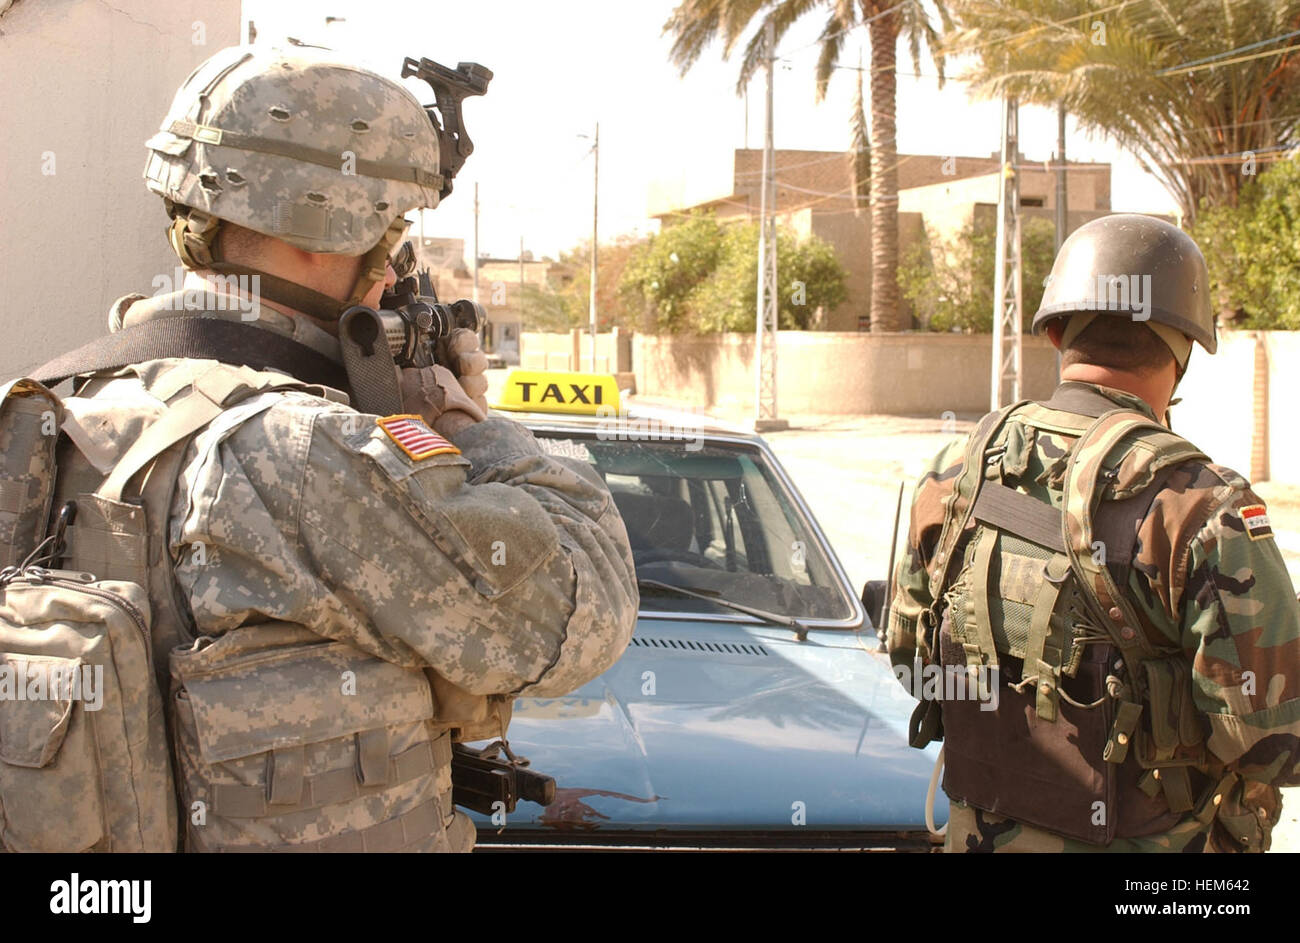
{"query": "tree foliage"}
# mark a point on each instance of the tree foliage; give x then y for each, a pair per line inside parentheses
(695, 24)
(701, 276)
(950, 284)
(1137, 73)
(560, 307)
(1253, 251)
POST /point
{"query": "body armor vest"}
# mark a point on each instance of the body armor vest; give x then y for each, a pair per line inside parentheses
(1091, 732)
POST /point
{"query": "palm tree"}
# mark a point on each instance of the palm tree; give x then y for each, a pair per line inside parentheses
(694, 24)
(1139, 74)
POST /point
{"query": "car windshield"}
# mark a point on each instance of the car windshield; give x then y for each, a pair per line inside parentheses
(714, 518)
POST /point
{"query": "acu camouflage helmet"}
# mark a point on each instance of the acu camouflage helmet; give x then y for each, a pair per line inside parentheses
(322, 154)
(1138, 267)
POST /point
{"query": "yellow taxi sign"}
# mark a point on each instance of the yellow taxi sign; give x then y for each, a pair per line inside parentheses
(549, 391)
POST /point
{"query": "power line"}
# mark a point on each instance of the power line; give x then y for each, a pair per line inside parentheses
(1215, 65)
(1042, 26)
(1197, 62)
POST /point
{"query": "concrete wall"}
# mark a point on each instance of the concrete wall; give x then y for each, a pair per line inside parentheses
(1283, 349)
(835, 372)
(928, 374)
(82, 85)
(1218, 401)
(1218, 411)
(572, 351)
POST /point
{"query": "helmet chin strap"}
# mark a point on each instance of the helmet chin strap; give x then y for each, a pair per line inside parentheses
(193, 233)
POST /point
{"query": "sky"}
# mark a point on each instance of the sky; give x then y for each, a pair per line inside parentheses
(561, 66)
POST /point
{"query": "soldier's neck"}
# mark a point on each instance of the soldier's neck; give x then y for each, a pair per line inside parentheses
(1154, 389)
(204, 280)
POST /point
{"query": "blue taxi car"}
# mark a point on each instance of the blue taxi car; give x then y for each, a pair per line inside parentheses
(752, 708)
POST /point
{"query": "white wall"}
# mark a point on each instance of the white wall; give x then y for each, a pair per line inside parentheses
(1284, 405)
(82, 85)
(1217, 412)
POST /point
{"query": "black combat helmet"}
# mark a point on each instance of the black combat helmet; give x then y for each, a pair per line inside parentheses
(1135, 266)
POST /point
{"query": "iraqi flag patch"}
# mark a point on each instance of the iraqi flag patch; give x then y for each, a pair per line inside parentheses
(1255, 518)
(414, 438)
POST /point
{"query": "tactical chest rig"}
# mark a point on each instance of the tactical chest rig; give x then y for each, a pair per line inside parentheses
(1094, 735)
(268, 750)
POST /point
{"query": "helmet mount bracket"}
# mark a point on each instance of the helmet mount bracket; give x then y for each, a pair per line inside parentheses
(450, 88)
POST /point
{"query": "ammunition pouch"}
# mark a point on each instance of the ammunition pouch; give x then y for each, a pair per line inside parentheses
(347, 761)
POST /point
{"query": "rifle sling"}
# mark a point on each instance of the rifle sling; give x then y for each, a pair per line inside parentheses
(201, 338)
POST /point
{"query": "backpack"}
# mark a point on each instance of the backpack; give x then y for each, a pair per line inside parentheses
(84, 759)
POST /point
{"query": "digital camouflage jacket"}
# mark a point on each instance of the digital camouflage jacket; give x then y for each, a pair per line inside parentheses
(1206, 575)
(353, 593)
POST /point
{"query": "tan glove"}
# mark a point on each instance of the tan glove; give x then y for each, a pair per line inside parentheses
(469, 364)
(433, 392)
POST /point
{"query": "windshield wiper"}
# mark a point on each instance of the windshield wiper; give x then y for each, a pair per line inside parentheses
(772, 618)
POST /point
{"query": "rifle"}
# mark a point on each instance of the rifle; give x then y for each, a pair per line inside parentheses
(480, 779)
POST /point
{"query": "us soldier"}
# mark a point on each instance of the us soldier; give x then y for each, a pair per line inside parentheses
(335, 596)
(1115, 597)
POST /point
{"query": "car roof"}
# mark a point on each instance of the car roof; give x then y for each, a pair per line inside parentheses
(593, 401)
(691, 424)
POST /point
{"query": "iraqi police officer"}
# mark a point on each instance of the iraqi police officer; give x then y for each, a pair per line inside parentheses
(335, 595)
(1118, 634)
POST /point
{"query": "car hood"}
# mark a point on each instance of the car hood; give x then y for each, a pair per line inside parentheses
(708, 726)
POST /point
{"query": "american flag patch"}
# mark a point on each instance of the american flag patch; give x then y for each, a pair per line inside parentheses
(1256, 520)
(415, 438)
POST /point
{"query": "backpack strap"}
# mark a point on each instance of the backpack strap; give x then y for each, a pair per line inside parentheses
(1087, 472)
(981, 651)
(965, 492)
(196, 337)
(213, 391)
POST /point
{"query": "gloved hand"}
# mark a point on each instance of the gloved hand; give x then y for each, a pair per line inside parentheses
(434, 394)
(461, 350)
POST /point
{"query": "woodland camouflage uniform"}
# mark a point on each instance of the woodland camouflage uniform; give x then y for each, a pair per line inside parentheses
(1207, 584)
(1199, 580)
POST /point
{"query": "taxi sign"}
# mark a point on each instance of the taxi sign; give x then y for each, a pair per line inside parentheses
(549, 391)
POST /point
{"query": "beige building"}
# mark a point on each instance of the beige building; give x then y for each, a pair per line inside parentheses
(498, 287)
(84, 85)
(937, 197)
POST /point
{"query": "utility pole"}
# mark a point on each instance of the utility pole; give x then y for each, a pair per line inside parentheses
(475, 242)
(746, 117)
(1007, 298)
(595, 200)
(1062, 204)
(521, 283)
(765, 414)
